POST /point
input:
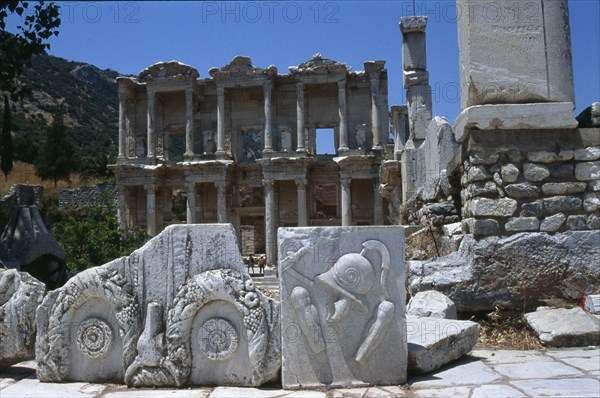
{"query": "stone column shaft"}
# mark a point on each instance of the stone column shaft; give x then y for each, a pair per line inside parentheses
(375, 113)
(191, 203)
(302, 210)
(151, 151)
(151, 209)
(342, 111)
(270, 225)
(122, 210)
(346, 202)
(377, 204)
(220, 121)
(189, 122)
(221, 201)
(267, 90)
(122, 125)
(300, 116)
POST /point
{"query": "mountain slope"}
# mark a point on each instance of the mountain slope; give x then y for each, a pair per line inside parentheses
(91, 99)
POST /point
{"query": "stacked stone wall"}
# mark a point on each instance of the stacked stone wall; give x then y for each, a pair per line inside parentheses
(531, 182)
(86, 196)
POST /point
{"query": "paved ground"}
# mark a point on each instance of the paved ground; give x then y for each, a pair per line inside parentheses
(484, 373)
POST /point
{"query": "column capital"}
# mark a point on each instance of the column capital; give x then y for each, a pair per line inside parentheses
(345, 180)
(220, 184)
(299, 86)
(301, 183)
(150, 187)
(268, 183)
(341, 84)
(220, 90)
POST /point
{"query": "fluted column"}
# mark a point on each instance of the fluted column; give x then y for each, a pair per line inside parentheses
(375, 113)
(221, 201)
(343, 126)
(270, 226)
(191, 203)
(267, 90)
(220, 121)
(377, 204)
(300, 116)
(151, 208)
(346, 201)
(189, 122)
(151, 151)
(302, 210)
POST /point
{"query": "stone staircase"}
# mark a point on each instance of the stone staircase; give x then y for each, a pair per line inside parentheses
(269, 284)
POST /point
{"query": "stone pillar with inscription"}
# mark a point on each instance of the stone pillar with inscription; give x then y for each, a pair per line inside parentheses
(221, 201)
(268, 94)
(346, 201)
(342, 110)
(270, 222)
(191, 203)
(151, 208)
(189, 122)
(151, 150)
(515, 52)
(302, 210)
(221, 122)
(300, 117)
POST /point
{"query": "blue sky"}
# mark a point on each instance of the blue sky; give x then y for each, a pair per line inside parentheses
(128, 36)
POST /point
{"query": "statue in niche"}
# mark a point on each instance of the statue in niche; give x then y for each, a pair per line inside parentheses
(361, 133)
(208, 142)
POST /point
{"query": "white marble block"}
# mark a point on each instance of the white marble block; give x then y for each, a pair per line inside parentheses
(343, 306)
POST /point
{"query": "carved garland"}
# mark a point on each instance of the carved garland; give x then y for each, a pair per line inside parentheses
(53, 348)
(227, 285)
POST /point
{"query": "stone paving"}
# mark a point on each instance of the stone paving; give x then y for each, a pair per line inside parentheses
(483, 373)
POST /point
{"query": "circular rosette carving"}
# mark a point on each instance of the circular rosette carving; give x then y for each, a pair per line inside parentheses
(94, 337)
(218, 339)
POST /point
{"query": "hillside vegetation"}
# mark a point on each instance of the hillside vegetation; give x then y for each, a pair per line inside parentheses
(91, 99)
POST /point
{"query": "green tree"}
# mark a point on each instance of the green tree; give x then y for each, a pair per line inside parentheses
(56, 158)
(38, 24)
(6, 147)
(91, 236)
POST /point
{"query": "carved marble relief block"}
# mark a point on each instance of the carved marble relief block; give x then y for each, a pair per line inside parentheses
(343, 295)
(179, 311)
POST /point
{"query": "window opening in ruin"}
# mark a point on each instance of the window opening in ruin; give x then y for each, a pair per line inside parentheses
(326, 201)
(251, 146)
(325, 141)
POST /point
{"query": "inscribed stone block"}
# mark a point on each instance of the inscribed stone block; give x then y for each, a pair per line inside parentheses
(343, 306)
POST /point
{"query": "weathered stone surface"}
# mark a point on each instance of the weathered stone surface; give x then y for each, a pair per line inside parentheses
(594, 185)
(497, 66)
(189, 284)
(553, 223)
(593, 222)
(592, 304)
(535, 172)
(20, 294)
(549, 157)
(591, 202)
(587, 171)
(532, 209)
(523, 190)
(484, 227)
(588, 154)
(563, 171)
(483, 157)
(484, 207)
(435, 342)
(505, 271)
(343, 306)
(577, 223)
(514, 117)
(440, 146)
(478, 173)
(562, 188)
(432, 304)
(520, 224)
(481, 189)
(565, 328)
(510, 173)
(559, 204)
